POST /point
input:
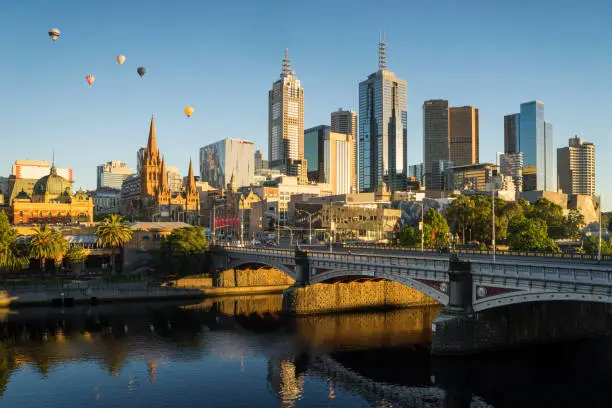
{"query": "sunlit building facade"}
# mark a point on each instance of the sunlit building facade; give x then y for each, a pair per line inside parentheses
(221, 160)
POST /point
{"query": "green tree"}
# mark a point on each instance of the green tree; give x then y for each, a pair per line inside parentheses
(551, 214)
(435, 229)
(183, 251)
(410, 236)
(12, 255)
(575, 223)
(461, 214)
(76, 256)
(590, 246)
(114, 232)
(46, 244)
(528, 234)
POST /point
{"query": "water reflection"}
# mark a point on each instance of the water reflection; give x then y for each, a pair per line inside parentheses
(243, 352)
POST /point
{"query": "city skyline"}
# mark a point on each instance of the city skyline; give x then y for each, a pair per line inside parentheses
(88, 46)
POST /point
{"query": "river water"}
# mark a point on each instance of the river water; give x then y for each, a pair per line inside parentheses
(240, 352)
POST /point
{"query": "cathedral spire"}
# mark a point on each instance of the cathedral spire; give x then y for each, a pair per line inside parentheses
(163, 177)
(191, 187)
(152, 143)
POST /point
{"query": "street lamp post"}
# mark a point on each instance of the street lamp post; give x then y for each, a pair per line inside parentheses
(599, 243)
(309, 224)
(422, 226)
(214, 223)
(493, 218)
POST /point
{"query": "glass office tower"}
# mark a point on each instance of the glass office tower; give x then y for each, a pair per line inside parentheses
(535, 142)
(383, 129)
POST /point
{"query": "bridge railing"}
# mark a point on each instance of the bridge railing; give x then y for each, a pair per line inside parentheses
(560, 255)
(255, 250)
(380, 259)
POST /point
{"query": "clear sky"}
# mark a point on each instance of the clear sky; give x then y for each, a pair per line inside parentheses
(222, 57)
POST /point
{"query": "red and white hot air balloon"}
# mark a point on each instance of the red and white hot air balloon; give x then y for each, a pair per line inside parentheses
(90, 79)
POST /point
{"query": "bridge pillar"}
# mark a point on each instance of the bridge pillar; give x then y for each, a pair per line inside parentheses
(302, 268)
(452, 330)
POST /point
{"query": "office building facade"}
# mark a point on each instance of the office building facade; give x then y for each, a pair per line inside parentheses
(463, 137)
(314, 139)
(576, 167)
(345, 121)
(435, 141)
(221, 160)
(511, 164)
(261, 164)
(417, 171)
(511, 133)
(286, 124)
(112, 174)
(383, 132)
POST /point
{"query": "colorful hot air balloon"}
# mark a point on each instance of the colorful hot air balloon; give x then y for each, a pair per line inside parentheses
(54, 33)
(189, 111)
(90, 79)
(141, 71)
(120, 59)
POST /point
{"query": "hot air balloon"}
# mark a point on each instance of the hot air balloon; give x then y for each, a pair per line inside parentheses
(54, 33)
(189, 111)
(120, 59)
(90, 79)
(141, 71)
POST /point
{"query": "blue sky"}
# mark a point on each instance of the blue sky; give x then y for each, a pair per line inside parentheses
(221, 57)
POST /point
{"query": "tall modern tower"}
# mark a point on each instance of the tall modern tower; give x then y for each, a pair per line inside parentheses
(511, 133)
(535, 141)
(344, 121)
(576, 167)
(464, 137)
(435, 140)
(383, 132)
(286, 124)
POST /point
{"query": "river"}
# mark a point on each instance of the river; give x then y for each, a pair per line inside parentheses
(240, 352)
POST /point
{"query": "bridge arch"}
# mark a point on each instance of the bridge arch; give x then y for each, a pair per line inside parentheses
(440, 295)
(522, 297)
(236, 263)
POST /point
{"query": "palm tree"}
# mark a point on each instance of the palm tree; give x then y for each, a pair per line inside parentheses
(12, 255)
(113, 232)
(47, 244)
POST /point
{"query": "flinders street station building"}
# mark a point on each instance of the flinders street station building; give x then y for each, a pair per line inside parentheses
(49, 199)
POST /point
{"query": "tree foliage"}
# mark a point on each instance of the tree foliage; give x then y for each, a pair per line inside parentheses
(575, 223)
(114, 232)
(590, 246)
(410, 236)
(45, 244)
(526, 234)
(435, 229)
(183, 251)
(76, 254)
(12, 255)
(551, 214)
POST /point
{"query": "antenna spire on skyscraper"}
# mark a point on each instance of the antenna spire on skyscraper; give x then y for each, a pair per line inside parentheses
(286, 64)
(382, 50)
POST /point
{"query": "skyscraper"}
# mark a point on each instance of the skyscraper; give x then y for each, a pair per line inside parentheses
(535, 141)
(314, 140)
(435, 141)
(464, 142)
(576, 167)
(511, 132)
(383, 130)
(344, 121)
(112, 174)
(286, 124)
(260, 163)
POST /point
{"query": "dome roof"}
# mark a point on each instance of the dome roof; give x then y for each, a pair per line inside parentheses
(53, 184)
(22, 195)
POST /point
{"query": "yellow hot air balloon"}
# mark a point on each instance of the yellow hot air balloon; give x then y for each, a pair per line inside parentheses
(189, 111)
(120, 59)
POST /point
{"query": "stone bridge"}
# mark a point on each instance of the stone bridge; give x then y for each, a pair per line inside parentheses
(472, 290)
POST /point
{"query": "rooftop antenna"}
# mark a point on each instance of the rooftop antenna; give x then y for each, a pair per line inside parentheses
(286, 64)
(382, 50)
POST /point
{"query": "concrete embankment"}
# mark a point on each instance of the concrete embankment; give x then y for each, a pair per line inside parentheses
(85, 293)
